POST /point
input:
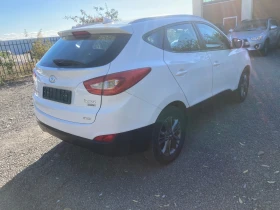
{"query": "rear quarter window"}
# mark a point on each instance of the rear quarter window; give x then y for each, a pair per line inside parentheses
(155, 38)
(93, 51)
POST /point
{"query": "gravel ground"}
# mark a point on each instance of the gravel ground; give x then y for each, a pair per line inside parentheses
(232, 159)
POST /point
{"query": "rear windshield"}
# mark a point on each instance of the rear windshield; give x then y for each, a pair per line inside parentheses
(93, 51)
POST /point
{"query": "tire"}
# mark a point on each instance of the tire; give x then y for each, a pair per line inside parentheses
(243, 86)
(167, 141)
(264, 51)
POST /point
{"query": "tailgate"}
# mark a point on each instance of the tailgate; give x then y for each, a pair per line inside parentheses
(79, 106)
(60, 74)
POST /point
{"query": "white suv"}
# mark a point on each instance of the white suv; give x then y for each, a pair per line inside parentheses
(125, 87)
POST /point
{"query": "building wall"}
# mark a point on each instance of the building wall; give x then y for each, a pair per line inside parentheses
(216, 12)
(247, 9)
(266, 9)
(197, 7)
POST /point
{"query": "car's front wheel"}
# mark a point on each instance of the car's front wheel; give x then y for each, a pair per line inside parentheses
(243, 87)
(169, 134)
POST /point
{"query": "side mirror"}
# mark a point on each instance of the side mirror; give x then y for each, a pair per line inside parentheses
(273, 27)
(237, 43)
(240, 43)
(230, 30)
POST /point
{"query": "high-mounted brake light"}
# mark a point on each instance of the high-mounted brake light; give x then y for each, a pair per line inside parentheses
(116, 83)
(80, 34)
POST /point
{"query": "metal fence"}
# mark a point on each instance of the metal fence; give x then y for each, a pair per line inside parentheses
(18, 57)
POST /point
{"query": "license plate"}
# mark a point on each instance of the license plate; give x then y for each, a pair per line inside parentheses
(58, 95)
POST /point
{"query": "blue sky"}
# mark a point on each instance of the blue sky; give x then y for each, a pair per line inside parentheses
(48, 15)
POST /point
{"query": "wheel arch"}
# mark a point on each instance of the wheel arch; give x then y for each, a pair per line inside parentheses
(178, 104)
(267, 40)
(247, 69)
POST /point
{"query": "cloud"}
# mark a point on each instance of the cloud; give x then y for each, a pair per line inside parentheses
(33, 34)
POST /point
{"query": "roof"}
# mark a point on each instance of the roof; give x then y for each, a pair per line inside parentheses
(165, 17)
(126, 26)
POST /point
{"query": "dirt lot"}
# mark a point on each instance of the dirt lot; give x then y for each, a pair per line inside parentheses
(232, 160)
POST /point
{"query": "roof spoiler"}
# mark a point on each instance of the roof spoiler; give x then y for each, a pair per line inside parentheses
(96, 30)
(107, 26)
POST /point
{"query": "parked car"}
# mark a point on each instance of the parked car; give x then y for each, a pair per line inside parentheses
(260, 35)
(125, 87)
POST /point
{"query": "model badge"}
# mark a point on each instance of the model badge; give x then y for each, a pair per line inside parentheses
(90, 102)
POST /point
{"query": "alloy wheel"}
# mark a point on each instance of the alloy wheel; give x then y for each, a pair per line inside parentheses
(244, 86)
(169, 136)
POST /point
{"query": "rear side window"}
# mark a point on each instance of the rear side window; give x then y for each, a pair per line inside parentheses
(93, 51)
(155, 38)
(181, 38)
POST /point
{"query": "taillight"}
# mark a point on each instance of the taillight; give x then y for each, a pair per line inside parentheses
(114, 84)
(105, 138)
(34, 76)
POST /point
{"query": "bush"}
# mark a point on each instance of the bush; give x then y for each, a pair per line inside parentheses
(8, 65)
(6, 62)
(1, 80)
(27, 67)
(4, 54)
(40, 47)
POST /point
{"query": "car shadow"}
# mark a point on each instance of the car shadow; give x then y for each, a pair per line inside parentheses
(257, 54)
(71, 177)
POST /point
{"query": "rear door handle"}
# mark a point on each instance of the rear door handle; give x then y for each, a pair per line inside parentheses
(216, 63)
(181, 72)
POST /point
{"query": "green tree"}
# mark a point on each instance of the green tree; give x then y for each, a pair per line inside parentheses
(40, 46)
(100, 13)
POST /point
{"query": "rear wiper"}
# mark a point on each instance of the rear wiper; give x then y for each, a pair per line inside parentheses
(63, 62)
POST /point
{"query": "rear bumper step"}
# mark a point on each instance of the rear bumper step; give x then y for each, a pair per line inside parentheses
(124, 144)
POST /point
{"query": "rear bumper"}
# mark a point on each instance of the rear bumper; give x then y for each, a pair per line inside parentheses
(124, 143)
(118, 114)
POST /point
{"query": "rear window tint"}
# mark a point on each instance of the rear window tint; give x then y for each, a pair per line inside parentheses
(93, 51)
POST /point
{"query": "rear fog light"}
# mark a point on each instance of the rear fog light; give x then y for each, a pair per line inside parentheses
(105, 138)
